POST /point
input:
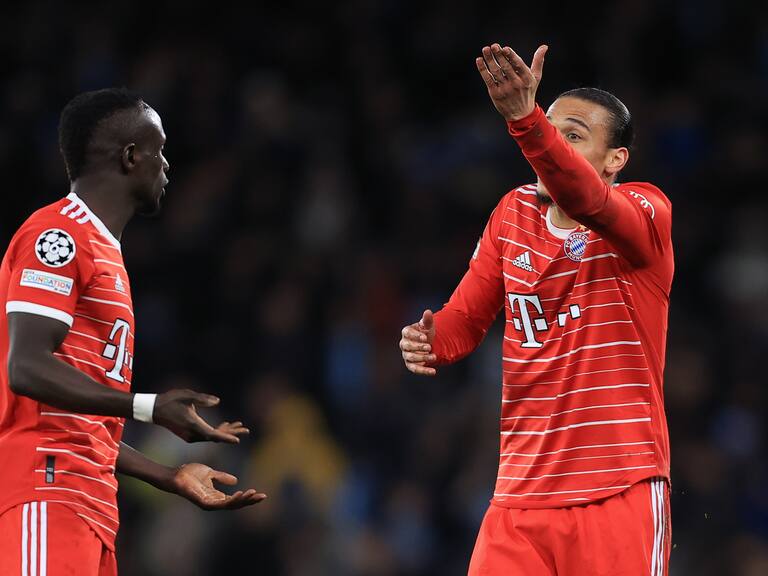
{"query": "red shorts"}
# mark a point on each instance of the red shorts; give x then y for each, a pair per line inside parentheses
(625, 535)
(48, 539)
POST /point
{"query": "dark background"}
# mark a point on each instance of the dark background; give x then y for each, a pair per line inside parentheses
(332, 165)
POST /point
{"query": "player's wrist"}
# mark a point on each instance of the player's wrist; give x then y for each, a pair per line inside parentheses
(144, 407)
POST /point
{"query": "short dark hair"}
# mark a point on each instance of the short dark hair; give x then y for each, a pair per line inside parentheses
(79, 120)
(622, 132)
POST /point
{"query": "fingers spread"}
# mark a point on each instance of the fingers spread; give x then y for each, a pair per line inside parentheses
(520, 68)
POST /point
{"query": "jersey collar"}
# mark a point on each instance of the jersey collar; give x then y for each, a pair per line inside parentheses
(100, 226)
(561, 233)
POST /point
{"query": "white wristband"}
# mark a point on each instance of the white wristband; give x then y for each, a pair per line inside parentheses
(143, 407)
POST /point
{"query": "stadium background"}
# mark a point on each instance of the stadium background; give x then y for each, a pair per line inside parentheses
(332, 166)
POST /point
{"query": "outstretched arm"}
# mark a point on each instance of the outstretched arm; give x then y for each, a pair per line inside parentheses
(636, 219)
(34, 371)
(457, 329)
(191, 481)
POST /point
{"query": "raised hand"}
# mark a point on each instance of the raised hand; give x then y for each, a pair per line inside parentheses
(511, 83)
(195, 483)
(416, 345)
(177, 411)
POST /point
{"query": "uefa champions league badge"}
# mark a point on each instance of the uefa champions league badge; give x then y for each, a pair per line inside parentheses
(576, 244)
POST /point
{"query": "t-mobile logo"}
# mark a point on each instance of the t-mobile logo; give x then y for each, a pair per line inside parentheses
(529, 325)
(531, 320)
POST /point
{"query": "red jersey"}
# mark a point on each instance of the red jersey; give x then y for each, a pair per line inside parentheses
(582, 414)
(63, 263)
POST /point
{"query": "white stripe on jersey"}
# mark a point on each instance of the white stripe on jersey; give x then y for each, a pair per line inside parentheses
(560, 492)
(33, 540)
(75, 455)
(39, 310)
(577, 391)
(75, 200)
(579, 361)
(530, 232)
(78, 492)
(92, 510)
(622, 455)
(79, 360)
(77, 417)
(582, 472)
(104, 245)
(84, 517)
(84, 335)
(571, 426)
(569, 297)
(523, 202)
(24, 542)
(571, 376)
(113, 448)
(43, 538)
(585, 447)
(595, 407)
(574, 351)
(503, 239)
(110, 302)
(86, 477)
(110, 262)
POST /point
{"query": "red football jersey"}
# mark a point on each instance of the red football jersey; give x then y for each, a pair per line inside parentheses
(582, 414)
(64, 263)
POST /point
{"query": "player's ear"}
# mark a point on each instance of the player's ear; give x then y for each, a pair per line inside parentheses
(617, 159)
(128, 158)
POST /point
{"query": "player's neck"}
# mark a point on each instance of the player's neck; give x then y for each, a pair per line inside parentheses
(112, 208)
(561, 219)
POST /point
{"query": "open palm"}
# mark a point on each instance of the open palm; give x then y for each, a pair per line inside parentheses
(195, 483)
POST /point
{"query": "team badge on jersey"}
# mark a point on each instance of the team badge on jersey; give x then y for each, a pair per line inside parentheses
(575, 245)
(55, 248)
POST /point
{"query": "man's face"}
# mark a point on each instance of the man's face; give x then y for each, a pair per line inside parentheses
(152, 166)
(585, 126)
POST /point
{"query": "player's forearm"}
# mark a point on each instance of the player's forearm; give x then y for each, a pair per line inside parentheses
(456, 336)
(133, 463)
(572, 182)
(46, 379)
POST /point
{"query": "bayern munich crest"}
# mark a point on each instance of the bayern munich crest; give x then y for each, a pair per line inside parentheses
(575, 245)
(55, 248)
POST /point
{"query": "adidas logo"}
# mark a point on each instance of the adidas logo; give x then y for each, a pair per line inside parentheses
(119, 286)
(523, 261)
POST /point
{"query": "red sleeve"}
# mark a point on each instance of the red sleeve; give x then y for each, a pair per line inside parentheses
(463, 322)
(51, 264)
(635, 218)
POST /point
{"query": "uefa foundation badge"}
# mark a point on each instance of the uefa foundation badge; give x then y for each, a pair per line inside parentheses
(576, 244)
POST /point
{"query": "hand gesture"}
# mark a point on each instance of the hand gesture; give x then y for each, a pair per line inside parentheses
(416, 345)
(511, 84)
(195, 483)
(177, 411)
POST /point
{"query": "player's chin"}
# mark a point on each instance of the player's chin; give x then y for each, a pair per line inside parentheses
(152, 206)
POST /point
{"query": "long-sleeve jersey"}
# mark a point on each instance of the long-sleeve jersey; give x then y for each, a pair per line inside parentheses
(582, 415)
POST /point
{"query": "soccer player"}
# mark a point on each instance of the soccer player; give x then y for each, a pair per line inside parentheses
(66, 355)
(582, 266)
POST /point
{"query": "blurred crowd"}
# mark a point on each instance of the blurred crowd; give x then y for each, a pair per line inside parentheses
(332, 165)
